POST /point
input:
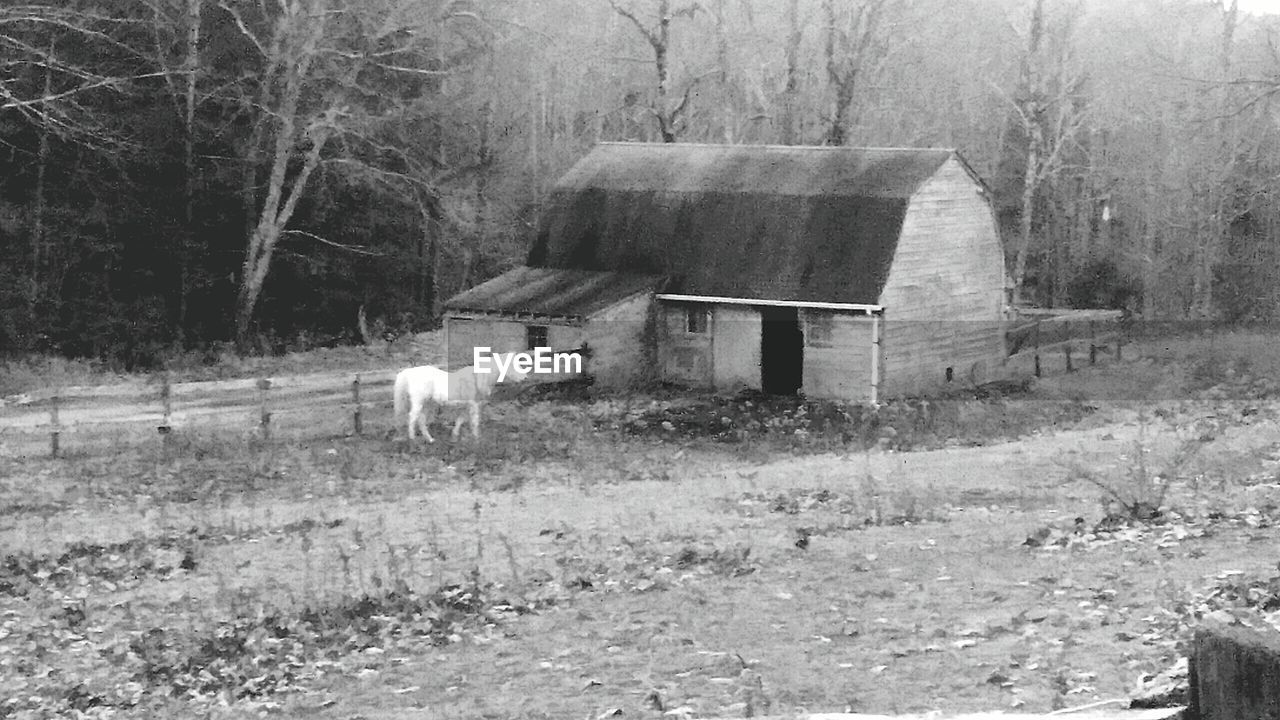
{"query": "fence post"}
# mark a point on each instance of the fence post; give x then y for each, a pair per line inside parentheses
(165, 428)
(264, 384)
(1067, 348)
(1093, 349)
(356, 415)
(55, 430)
(1037, 340)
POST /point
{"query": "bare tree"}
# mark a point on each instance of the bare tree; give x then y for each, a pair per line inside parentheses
(1218, 219)
(1050, 113)
(788, 132)
(54, 59)
(176, 26)
(855, 43)
(670, 117)
(316, 58)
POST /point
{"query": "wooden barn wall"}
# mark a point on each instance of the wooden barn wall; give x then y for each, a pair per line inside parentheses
(465, 334)
(501, 334)
(735, 338)
(944, 299)
(684, 357)
(618, 338)
(841, 368)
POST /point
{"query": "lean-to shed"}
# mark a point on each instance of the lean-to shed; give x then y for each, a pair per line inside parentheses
(843, 273)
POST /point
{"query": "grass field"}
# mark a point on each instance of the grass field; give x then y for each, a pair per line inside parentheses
(658, 555)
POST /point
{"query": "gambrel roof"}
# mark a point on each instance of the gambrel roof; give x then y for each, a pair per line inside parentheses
(748, 221)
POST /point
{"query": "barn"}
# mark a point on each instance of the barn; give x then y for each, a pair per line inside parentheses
(845, 273)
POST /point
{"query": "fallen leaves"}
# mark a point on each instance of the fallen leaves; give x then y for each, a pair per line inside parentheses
(1167, 530)
(248, 658)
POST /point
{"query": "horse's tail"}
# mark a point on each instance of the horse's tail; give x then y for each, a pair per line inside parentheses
(401, 393)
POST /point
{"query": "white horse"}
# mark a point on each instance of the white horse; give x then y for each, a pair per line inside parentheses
(417, 386)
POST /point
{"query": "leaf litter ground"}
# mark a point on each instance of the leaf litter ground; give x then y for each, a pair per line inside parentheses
(608, 566)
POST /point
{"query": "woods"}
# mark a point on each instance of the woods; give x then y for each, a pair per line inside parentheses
(179, 174)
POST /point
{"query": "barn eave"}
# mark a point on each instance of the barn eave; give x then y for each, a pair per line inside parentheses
(805, 304)
(555, 294)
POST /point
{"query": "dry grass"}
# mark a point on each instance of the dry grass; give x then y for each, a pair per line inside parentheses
(607, 569)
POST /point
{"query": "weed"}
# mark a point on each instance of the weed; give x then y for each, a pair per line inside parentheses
(1138, 491)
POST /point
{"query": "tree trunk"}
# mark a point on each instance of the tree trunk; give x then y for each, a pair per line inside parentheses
(275, 215)
(1211, 241)
(1031, 112)
(666, 118)
(190, 67)
(835, 131)
(38, 211)
(430, 229)
(294, 64)
(1029, 184)
(845, 65)
(659, 39)
(787, 132)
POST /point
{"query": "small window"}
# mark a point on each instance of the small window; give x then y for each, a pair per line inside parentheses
(696, 319)
(535, 336)
(818, 329)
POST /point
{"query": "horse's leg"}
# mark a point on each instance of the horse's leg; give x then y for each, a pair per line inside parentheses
(415, 410)
(422, 420)
(475, 420)
(457, 426)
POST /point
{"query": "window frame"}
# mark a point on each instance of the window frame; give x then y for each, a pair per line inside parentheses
(531, 331)
(697, 319)
(819, 329)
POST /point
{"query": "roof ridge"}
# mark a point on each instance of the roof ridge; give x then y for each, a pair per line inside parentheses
(775, 146)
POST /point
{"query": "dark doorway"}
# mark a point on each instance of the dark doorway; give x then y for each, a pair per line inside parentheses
(781, 351)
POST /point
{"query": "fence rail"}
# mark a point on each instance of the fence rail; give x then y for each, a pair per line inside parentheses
(167, 405)
(1076, 335)
(259, 402)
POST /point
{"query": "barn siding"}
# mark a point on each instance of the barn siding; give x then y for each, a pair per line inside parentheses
(944, 298)
(736, 347)
(463, 335)
(617, 337)
(843, 370)
(684, 357)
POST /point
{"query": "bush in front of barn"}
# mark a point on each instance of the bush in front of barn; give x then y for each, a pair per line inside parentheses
(976, 417)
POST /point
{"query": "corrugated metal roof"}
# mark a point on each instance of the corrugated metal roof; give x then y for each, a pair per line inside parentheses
(552, 292)
(750, 221)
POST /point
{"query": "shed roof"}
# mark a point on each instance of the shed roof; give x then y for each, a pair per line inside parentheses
(552, 292)
(751, 221)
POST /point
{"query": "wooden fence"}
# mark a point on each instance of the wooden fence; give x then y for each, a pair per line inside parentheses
(1077, 336)
(162, 407)
(167, 406)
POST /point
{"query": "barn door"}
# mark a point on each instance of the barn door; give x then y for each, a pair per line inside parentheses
(781, 351)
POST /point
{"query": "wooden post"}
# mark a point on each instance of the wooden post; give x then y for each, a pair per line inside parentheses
(356, 414)
(166, 428)
(55, 430)
(1067, 349)
(1093, 349)
(1037, 341)
(264, 384)
(1234, 673)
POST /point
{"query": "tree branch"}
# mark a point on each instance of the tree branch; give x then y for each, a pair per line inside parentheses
(358, 249)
